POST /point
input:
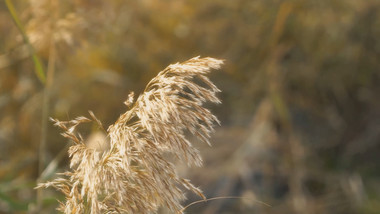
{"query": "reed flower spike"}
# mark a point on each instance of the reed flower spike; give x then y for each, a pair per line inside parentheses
(134, 174)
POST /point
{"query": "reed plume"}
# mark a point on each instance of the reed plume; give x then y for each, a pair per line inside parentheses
(134, 174)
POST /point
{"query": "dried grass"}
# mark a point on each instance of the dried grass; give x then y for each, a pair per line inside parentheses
(133, 175)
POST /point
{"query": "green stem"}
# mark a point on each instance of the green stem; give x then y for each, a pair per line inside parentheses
(36, 60)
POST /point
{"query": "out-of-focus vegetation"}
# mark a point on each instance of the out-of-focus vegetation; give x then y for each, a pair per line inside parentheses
(300, 114)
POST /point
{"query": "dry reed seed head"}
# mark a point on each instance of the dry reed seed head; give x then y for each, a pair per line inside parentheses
(50, 22)
(132, 175)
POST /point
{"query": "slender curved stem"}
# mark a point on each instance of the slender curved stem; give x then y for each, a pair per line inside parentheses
(36, 60)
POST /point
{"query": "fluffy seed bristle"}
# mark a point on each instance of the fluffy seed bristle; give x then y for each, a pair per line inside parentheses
(132, 175)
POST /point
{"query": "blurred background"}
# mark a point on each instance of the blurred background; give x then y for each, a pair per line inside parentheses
(300, 116)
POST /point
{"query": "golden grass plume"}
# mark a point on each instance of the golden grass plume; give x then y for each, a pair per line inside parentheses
(133, 175)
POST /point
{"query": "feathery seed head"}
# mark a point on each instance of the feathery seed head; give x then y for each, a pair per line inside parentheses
(132, 175)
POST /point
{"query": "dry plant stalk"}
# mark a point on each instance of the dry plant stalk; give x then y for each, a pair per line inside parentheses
(133, 175)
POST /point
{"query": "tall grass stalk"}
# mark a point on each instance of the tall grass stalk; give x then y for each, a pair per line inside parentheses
(40, 73)
(45, 116)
